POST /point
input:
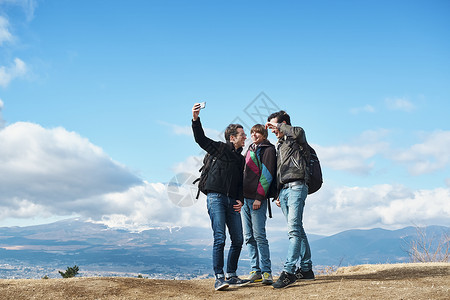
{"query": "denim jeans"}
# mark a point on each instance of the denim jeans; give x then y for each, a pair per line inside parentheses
(292, 202)
(222, 214)
(254, 223)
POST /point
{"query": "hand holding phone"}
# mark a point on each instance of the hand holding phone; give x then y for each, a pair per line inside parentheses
(196, 109)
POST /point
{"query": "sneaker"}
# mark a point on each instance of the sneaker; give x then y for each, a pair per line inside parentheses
(255, 277)
(284, 280)
(236, 281)
(304, 275)
(220, 284)
(267, 278)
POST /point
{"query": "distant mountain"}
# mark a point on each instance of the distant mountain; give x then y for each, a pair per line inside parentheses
(372, 246)
(99, 250)
(36, 251)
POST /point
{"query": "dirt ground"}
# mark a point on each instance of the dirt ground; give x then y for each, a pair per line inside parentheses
(396, 281)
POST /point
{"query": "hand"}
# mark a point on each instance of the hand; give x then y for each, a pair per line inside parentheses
(195, 111)
(237, 207)
(277, 202)
(271, 125)
(256, 204)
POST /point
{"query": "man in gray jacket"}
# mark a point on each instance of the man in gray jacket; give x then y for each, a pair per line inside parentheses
(292, 179)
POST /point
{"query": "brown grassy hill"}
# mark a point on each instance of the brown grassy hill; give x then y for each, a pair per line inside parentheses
(396, 281)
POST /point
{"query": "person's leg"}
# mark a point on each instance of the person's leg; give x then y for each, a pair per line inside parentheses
(249, 239)
(234, 224)
(298, 242)
(283, 197)
(217, 207)
(259, 218)
(286, 277)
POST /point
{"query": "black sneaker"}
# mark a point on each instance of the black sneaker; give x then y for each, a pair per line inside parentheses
(284, 280)
(220, 284)
(236, 281)
(304, 275)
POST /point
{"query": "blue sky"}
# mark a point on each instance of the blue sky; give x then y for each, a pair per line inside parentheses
(96, 98)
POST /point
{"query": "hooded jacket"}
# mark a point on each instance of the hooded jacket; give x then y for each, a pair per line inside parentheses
(292, 155)
(260, 170)
(225, 175)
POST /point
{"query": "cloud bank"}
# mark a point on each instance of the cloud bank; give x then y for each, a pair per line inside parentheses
(388, 206)
(331, 210)
(53, 171)
(426, 157)
(358, 157)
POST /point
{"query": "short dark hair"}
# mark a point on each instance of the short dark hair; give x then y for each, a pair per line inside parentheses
(232, 131)
(260, 129)
(281, 116)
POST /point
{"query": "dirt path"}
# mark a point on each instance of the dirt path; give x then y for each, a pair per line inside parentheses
(402, 281)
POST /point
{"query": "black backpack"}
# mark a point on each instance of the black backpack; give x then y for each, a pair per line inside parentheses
(314, 171)
(208, 161)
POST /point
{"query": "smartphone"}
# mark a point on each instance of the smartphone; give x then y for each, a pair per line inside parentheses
(202, 105)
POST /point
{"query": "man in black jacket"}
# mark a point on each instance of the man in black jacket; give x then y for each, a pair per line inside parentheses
(224, 196)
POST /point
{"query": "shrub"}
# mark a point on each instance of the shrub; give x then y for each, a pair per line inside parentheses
(70, 272)
(425, 248)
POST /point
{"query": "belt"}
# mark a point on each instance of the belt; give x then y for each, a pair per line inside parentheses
(293, 183)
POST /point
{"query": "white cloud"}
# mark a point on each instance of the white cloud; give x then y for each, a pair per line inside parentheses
(28, 6)
(329, 211)
(191, 165)
(430, 155)
(354, 157)
(177, 129)
(367, 108)
(53, 171)
(333, 210)
(400, 104)
(146, 206)
(359, 156)
(5, 34)
(187, 131)
(8, 74)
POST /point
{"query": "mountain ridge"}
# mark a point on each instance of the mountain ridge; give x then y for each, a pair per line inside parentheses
(181, 253)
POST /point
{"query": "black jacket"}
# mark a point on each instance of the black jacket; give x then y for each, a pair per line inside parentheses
(225, 175)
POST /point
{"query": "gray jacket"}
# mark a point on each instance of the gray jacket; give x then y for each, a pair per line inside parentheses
(292, 155)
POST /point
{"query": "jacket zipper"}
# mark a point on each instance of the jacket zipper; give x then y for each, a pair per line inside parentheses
(295, 163)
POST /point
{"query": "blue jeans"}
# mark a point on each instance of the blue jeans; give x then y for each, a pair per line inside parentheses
(222, 214)
(254, 222)
(292, 202)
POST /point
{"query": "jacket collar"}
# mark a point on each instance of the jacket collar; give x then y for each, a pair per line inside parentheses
(232, 148)
(265, 143)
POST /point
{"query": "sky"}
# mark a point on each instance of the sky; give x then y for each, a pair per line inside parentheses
(96, 99)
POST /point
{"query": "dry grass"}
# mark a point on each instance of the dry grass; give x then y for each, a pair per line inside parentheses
(397, 281)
